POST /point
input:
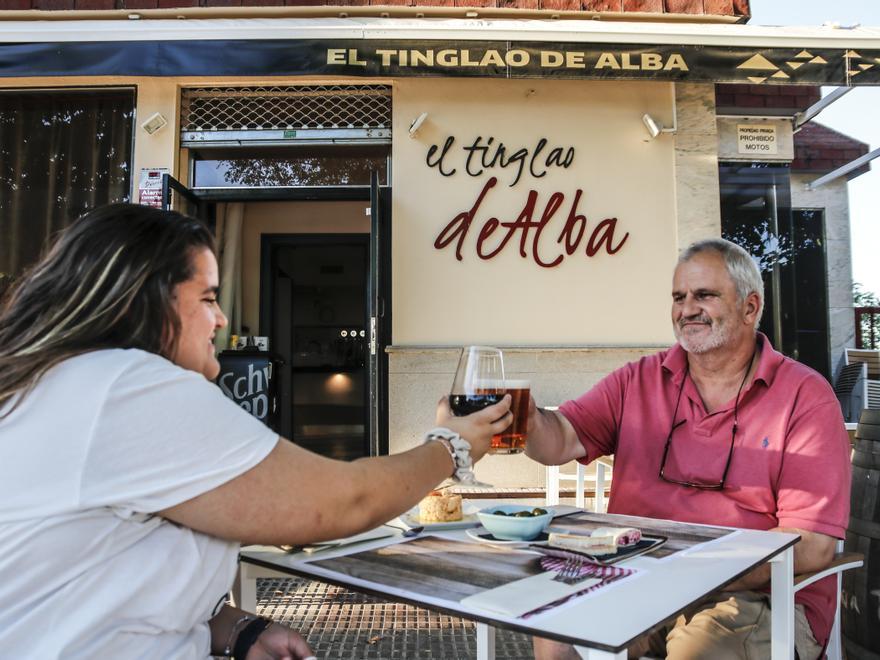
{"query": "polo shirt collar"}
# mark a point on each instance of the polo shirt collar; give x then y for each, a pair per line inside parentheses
(769, 361)
(675, 361)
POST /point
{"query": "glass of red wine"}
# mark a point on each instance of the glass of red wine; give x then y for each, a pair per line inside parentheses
(479, 380)
(478, 383)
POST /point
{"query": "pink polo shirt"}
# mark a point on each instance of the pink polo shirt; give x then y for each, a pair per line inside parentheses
(790, 465)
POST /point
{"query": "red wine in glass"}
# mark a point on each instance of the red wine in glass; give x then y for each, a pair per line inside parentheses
(465, 404)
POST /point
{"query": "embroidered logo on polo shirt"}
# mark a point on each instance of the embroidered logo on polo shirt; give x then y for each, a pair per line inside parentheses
(765, 442)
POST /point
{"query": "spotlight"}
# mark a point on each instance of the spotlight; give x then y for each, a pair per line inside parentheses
(417, 124)
(652, 127)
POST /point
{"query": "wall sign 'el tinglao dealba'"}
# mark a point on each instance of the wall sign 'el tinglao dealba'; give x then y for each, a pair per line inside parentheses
(494, 235)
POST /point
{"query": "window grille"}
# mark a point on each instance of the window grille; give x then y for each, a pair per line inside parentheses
(297, 107)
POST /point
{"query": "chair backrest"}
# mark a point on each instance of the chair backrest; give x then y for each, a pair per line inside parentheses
(842, 561)
(872, 394)
(851, 390)
(600, 483)
(870, 357)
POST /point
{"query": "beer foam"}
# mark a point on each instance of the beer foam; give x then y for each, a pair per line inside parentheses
(517, 384)
(488, 385)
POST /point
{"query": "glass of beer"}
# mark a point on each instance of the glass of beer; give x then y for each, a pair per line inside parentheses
(480, 382)
(513, 439)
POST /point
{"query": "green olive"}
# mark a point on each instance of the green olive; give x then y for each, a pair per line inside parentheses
(523, 514)
(537, 511)
(499, 513)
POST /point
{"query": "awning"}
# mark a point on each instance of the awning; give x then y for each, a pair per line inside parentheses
(397, 47)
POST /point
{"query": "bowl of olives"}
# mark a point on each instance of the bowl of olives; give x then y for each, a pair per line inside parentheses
(515, 522)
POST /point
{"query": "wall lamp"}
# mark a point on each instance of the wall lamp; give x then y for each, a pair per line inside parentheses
(417, 124)
(655, 128)
(155, 122)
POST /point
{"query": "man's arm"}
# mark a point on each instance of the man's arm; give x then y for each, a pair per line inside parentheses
(812, 553)
(552, 439)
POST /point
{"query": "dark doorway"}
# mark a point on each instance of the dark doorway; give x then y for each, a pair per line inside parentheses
(315, 293)
(789, 247)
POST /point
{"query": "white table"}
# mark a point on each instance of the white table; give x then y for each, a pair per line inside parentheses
(602, 625)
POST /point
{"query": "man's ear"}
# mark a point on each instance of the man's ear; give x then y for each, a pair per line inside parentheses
(750, 308)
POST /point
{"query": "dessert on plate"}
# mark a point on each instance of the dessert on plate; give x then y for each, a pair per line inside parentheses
(602, 541)
(440, 506)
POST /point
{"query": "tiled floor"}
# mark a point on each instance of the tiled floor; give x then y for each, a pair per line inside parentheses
(343, 624)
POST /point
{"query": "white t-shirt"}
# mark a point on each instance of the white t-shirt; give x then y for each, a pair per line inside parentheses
(105, 440)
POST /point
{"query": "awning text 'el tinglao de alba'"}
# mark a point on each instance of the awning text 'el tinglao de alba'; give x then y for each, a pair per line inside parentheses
(500, 48)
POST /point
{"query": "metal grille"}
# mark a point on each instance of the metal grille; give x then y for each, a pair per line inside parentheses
(344, 625)
(286, 108)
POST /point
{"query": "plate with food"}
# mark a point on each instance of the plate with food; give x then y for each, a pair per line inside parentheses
(515, 522)
(604, 545)
(441, 510)
(483, 535)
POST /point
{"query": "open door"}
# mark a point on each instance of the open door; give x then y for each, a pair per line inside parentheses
(177, 197)
(380, 317)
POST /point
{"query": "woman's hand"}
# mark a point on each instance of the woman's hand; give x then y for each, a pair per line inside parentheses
(278, 642)
(479, 427)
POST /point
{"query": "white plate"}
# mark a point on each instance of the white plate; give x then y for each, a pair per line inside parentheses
(482, 535)
(469, 519)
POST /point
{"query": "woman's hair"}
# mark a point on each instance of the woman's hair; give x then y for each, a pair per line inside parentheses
(107, 282)
(741, 267)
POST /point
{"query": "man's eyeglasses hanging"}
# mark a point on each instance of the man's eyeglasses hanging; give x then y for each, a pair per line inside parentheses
(705, 485)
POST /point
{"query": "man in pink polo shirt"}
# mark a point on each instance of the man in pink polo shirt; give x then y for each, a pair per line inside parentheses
(719, 429)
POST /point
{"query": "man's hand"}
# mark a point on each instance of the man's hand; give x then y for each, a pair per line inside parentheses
(552, 439)
(278, 642)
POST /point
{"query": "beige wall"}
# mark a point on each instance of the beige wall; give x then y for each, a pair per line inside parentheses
(289, 218)
(419, 374)
(510, 299)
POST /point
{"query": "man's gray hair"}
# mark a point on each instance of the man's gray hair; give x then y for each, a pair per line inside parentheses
(741, 267)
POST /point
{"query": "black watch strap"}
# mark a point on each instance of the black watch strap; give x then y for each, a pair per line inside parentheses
(248, 636)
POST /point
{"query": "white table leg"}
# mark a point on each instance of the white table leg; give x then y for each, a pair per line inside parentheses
(485, 642)
(247, 576)
(782, 606)
(596, 654)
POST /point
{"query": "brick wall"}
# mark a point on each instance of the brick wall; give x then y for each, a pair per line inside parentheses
(820, 149)
(773, 99)
(736, 8)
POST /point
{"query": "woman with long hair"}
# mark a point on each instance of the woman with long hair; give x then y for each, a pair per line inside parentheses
(127, 480)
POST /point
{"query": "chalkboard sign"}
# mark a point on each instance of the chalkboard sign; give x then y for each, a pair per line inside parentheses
(250, 379)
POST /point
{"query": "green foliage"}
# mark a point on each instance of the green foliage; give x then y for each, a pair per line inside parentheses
(862, 298)
(870, 324)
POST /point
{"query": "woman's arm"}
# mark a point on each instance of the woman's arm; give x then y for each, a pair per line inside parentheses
(294, 496)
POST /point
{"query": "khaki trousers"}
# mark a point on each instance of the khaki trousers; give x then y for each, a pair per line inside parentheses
(729, 626)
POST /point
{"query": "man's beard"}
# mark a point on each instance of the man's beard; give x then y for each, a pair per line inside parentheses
(719, 335)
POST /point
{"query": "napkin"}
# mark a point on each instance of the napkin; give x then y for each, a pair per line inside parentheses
(540, 593)
(523, 596)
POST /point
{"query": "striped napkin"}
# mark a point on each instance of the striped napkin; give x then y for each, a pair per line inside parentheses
(607, 575)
